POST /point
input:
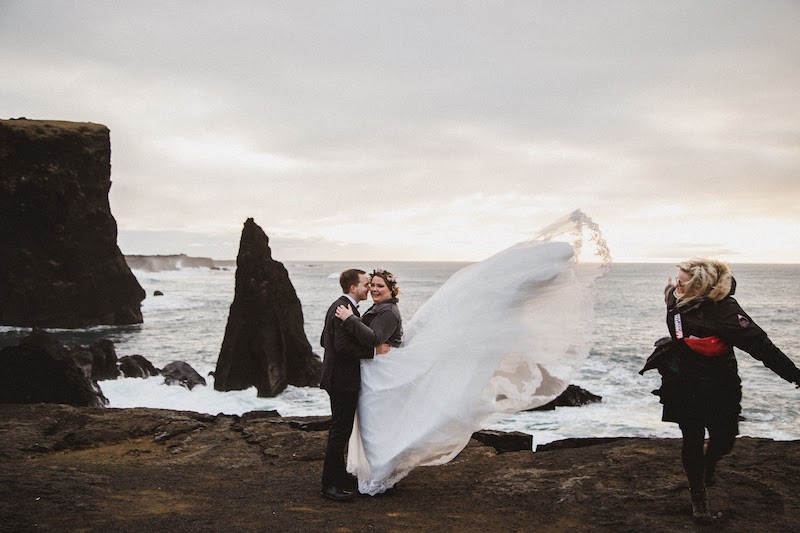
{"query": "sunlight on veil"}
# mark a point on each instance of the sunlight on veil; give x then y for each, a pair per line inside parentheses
(500, 336)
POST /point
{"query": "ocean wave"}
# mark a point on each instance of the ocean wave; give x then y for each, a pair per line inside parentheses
(153, 393)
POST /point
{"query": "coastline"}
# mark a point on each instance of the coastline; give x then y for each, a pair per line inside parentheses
(134, 470)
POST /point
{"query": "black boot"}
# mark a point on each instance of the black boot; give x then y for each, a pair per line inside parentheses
(710, 470)
(710, 474)
(700, 511)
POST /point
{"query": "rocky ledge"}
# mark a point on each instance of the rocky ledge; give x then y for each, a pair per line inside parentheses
(68, 468)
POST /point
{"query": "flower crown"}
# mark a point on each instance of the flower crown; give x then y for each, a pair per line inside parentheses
(390, 279)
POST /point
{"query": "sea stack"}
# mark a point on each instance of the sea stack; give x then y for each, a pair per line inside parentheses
(60, 265)
(265, 344)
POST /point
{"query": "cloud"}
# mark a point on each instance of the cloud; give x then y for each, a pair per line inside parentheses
(435, 121)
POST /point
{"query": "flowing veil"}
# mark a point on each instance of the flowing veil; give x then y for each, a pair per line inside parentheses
(500, 336)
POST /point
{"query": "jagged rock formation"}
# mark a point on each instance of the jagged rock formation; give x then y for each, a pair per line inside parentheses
(265, 345)
(59, 261)
(41, 370)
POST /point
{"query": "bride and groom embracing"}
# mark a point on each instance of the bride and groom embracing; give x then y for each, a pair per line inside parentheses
(499, 337)
(347, 339)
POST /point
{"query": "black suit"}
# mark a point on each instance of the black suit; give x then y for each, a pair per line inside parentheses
(341, 377)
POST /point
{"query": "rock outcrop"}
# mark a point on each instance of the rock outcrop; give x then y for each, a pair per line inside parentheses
(265, 344)
(98, 361)
(59, 261)
(504, 441)
(573, 396)
(180, 373)
(137, 366)
(40, 370)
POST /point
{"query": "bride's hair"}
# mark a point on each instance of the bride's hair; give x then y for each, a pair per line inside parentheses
(389, 278)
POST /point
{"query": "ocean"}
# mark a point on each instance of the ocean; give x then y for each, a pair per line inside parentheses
(188, 323)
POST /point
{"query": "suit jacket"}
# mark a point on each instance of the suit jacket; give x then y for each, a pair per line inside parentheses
(341, 365)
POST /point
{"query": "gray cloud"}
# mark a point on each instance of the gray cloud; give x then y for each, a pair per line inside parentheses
(297, 112)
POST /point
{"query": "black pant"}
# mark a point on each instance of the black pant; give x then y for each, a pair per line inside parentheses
(721, 438)
(343, 413)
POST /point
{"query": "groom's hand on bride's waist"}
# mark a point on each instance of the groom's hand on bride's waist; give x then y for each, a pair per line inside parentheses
(382, 349)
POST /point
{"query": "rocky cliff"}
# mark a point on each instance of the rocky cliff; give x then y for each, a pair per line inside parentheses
(59, 261)
(265, 344)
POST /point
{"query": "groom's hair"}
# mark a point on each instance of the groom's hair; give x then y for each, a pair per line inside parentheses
(350, 277)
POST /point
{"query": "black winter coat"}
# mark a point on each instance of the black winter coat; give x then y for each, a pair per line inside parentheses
(700, 380)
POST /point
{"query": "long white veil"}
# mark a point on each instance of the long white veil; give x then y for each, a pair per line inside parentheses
(498, 337)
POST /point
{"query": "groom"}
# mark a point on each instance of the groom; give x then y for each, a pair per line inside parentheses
(341, 377)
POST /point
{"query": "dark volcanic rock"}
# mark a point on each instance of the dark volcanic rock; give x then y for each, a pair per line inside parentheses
(104, 360)
(137, 366)
(180, 373)
(573, 396)
(98, 362)
(59, 261)
(503, 441)
(265, 345)
(40, 370)
(567, 444)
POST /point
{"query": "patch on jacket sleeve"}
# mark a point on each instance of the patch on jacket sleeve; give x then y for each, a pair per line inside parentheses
(678, 327)
(743, 321)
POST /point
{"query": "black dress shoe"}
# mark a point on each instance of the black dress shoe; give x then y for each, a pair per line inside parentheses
(337, 494)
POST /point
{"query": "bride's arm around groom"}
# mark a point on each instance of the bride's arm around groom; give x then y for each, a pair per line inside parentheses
(382, 324)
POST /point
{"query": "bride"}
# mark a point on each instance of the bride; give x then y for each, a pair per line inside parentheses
(500, 336)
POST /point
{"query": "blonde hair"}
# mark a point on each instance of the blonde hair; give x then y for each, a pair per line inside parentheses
(710, 279)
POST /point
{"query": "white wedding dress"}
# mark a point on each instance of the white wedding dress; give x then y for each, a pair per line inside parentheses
(500, 336)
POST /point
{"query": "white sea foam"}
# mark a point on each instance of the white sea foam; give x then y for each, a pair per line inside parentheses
(152, 392)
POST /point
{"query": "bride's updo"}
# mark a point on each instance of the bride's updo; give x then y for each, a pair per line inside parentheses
(389, 278)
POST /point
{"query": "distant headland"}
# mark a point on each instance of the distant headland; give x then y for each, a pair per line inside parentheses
(156, 263)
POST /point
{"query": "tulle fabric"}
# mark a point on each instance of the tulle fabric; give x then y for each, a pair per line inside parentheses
(498, 337)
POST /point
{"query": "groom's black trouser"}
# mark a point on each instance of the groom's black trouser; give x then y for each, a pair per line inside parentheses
(343, 413)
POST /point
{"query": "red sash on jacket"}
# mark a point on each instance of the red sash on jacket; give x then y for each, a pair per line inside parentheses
(709, 346)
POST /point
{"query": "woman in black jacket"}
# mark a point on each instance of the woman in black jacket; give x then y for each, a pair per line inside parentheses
(701, 388)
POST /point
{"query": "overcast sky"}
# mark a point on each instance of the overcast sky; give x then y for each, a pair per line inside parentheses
(432, 130)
